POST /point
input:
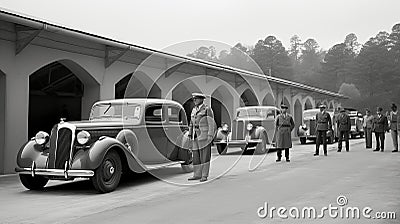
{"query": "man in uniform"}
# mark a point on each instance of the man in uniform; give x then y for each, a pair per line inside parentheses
(394, 119)
(367, 125)
(323, 124)
(284, 125)
(380, 126)
(344, 125)
(201, 131)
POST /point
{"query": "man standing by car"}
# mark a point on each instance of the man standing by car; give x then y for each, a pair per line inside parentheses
(344, 125)
(394, 119)
(367, 125)
(380, 126)
(324, 123)
(284, 125)
(201, 131)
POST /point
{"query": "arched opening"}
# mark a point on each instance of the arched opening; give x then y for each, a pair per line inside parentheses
(136, 86)
(222, 106)
(298, 115)
(308, 104)
(248, 98)
(61, 89)
(182, 93)
(331, 105)
(2, 119)
(268, 100)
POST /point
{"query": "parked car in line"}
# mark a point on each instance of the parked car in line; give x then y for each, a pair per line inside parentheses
(120, 136)
(356, 120)
(253, 128)
(307, 131)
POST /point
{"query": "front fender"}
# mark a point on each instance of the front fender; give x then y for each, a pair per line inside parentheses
(92, 158)
(29, 152)
(258, 132)
(221, 135)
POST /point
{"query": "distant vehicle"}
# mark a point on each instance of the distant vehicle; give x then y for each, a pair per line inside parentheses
(253, 128)
(356, 120)
(121, 135)
(307, 131)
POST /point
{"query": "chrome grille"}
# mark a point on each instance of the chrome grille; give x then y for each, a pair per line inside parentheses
(64, 140)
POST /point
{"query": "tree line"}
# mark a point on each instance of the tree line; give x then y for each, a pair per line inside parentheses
(368, 73)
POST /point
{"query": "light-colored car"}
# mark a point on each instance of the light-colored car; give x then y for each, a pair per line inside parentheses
(307, 131)
(121, 135)
(253, 128)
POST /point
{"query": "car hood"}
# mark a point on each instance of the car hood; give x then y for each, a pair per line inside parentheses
(98, 124)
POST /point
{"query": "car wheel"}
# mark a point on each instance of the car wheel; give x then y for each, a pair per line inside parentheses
(107, 176)
(222, 148)
(352, 136)
(261, 148)
(361, 135)
(303, 140)
(330, 140)
(33, 183)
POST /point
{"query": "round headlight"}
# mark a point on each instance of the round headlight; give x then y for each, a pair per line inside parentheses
(249, 126)
(41, 138)
(225, 127)
(83, 137)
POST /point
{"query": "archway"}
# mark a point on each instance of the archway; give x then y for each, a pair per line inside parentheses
(248, 98)
(61, 89)
(222, 105)
(2, 119)
(308, 104)
(298, 115)
(268, 100)
(332, 105)
(136, 86)
(182, 93)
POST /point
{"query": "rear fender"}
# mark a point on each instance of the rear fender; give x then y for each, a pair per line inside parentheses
(92, 158)
(30, 152)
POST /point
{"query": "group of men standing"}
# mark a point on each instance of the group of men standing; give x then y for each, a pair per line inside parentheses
(201, 132)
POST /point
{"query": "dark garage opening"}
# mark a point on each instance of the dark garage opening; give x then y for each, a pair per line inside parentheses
(54, 92)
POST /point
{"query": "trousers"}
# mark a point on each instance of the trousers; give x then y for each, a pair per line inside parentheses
(321, 136)
(279, 153)
(380, 140)
(346, 139)
(368, 137)
(201, 158)
(395, 134)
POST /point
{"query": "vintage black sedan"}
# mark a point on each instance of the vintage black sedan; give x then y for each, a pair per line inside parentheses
(120, 136)
(253, 128)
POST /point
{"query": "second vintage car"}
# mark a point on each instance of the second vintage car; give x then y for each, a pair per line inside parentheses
(307, 131)
(253, 128)
(120, 136)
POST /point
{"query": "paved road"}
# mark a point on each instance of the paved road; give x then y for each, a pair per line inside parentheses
(366, 178)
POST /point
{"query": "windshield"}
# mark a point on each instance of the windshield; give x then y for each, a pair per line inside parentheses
(255, 112)
(310, 115)
(115, 112)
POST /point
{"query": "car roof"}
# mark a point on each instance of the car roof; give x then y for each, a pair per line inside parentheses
(256, 107)
(142, 101)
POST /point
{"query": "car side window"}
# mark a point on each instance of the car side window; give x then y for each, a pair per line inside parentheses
(154, 114)
(176, 115)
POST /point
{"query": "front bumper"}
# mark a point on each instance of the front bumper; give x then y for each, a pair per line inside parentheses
(67, 174)
(239, 142)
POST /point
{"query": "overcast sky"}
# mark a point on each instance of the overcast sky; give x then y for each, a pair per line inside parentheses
(160, 23)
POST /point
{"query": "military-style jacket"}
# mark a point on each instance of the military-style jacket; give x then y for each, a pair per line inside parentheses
(323, 121)
(202, 123)
(380, 124)
(394, 120)
(343, 122)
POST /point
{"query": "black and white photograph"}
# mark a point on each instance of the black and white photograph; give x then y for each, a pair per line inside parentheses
(187, 111)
